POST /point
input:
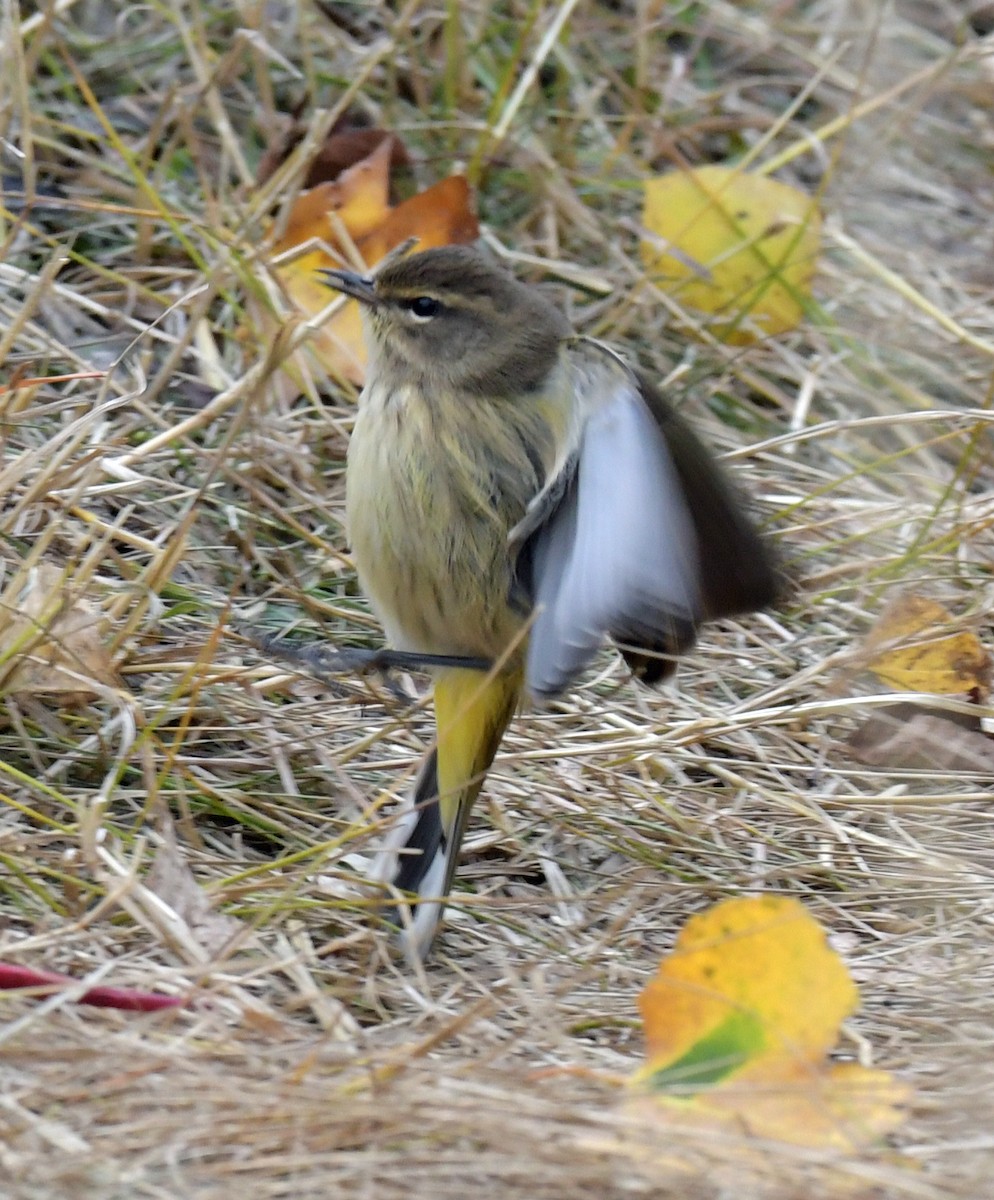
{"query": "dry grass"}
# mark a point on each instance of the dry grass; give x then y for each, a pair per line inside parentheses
(184, 491)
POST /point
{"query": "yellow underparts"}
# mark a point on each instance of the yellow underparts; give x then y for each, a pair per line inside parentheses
(472, 710)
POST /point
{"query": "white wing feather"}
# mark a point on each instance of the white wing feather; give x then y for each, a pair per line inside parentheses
(617, 557)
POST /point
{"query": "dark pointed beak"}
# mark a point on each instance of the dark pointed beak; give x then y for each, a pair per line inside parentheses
(361, 287)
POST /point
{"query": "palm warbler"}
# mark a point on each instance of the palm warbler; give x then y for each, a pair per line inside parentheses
(518, 494)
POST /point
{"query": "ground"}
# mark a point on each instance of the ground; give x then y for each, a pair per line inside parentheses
(196, 498)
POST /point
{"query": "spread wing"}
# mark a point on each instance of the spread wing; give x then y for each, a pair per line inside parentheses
(638, 539)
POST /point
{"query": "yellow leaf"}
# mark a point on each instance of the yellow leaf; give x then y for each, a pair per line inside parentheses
(919, 656)
(740, 246)
(337, 346)
(846, 1108)
(358, 201)
(740, 1019)
(747, 977)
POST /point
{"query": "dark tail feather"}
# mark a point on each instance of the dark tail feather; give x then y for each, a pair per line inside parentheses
(424, 836)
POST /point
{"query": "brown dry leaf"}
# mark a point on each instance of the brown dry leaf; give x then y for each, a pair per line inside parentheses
(912, 737)
(52, 640)
(920, 657)
(355, 208)
(738, 1024)
(740, 246)
(172, 881)
(344, 146)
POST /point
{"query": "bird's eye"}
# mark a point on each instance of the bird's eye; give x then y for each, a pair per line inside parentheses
(423, 308)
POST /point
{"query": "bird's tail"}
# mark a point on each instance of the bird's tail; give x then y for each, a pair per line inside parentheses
(472, 710)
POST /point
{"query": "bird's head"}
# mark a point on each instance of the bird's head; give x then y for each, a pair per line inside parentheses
(453, 316)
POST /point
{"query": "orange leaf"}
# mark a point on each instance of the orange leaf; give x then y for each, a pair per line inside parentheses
(440, 216)
(358, 201)
(359, 198)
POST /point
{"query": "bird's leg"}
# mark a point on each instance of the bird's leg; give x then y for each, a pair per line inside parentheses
(325, 660)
